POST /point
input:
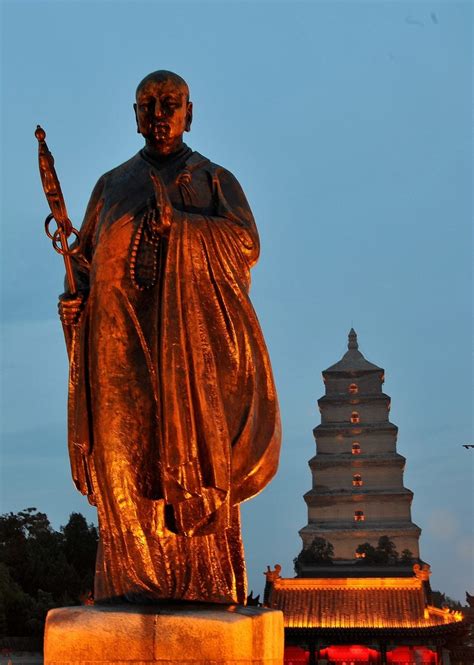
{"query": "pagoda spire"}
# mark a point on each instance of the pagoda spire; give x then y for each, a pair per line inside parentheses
(352, 344)
(353, 360)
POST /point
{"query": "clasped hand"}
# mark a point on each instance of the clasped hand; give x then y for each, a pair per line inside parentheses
(161, 222)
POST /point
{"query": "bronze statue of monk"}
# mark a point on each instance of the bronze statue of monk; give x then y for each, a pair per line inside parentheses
(173, 416)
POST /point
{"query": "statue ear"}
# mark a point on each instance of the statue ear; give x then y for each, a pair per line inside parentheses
(136, 117)
(189, 117)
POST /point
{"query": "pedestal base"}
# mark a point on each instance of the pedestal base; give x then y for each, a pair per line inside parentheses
(170, 634)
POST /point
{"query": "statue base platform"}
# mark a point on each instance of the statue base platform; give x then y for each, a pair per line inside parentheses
(168, 633)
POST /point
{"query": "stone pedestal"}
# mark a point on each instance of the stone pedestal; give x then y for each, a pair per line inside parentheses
(174, 633)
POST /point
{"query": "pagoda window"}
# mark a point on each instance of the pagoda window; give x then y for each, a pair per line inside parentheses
(355, 418)
(356, 448)
(359, 516)
(353, 388)
(357, 480)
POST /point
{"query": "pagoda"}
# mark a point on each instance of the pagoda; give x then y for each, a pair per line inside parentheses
(357, 493)
(343, 608)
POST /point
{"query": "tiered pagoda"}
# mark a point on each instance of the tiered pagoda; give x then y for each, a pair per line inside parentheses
(342, 608)
(358, 493)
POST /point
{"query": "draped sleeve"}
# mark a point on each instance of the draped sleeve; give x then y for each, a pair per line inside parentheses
(220, 420)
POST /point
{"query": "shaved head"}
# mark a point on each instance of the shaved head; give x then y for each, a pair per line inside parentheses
(164, 75)
(163, 111)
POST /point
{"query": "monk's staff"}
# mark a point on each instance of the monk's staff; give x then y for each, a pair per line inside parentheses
(59, 238)
(54, 195)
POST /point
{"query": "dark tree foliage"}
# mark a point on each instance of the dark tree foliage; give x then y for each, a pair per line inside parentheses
(41, 568)
(368, 552)
(80, 548)
(385, 554)
(407, 557)
(320, 553)
(386, 551)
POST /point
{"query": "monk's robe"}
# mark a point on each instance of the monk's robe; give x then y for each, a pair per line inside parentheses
(173, 416)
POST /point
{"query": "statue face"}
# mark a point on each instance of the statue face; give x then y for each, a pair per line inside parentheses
(163, 114)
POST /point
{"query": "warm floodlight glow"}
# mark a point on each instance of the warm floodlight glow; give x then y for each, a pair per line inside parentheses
(382, 602)
(356, 449)
(357, 480)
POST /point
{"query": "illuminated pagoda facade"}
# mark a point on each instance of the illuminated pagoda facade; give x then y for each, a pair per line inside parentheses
(342, 608)
(357, 493)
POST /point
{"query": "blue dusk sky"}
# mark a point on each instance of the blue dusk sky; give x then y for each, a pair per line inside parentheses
(348, 126)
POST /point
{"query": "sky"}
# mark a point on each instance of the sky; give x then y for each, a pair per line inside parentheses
(348, 127)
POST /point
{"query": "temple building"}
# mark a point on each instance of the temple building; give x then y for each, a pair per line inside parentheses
(362, 594)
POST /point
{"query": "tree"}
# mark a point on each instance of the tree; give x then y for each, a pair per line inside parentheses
(385, 554)
(386, 551)
(407, 557)
(28, 547)
(17, 605)
(38, 612)
(45, 565)
(368, 553)
(3, 618)
(320, 552)
(41, 568)
(80, 548)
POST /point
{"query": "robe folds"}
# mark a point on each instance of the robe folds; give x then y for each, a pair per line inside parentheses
(173, 415)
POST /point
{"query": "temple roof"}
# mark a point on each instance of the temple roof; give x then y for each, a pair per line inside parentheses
(344, 602)
(352, 360)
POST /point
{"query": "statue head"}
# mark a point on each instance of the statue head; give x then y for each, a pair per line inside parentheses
(163, 110)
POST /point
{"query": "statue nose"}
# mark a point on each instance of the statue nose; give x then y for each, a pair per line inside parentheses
(158, 109)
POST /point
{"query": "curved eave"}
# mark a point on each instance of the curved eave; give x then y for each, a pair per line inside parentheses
(353, 399)
(356, 494)
(340, 370)
(362, 460)
(361, 530)
(349, 529)
(353, 429)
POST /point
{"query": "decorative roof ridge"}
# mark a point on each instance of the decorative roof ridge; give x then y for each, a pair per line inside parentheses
(449, 615)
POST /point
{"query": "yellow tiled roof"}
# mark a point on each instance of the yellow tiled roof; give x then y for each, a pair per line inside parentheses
(391, 602)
